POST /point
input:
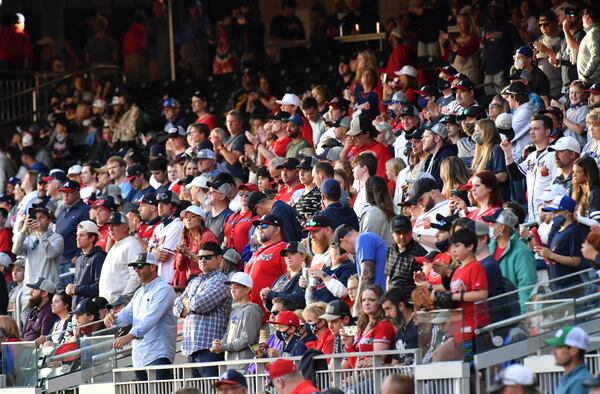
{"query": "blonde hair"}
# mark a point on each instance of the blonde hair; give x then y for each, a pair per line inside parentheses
(593, 117)
(454, 174)
(395, 165)
(483, 151)
(316, 308)
(9, 326)
(370, 62)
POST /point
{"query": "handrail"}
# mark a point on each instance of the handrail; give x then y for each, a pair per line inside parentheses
(76, 352)
(61, 79)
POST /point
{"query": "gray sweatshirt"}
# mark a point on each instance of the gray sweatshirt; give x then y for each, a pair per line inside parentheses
(242, 332)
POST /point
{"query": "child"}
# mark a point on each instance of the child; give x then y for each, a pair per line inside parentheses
(392, 169)
(244, 322)
(574, 119)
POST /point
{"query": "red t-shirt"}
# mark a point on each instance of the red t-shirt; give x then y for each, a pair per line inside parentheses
(265, 266)
(382, 153)
(134, 40)
(498, 252)
(102, 237)
(146, 230)
(478, 214)
(236, 230)
(305, 387)
(285, 193)
(6, 241)
(470, 277)
(279, 146)
(383, 332)
(324, 342)
(210, 120)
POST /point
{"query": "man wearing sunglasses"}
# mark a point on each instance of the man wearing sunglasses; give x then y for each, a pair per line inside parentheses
(154, 328)
(206, 305)
(548, 46)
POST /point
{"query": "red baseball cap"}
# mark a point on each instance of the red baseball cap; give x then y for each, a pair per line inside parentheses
(282, 367)
(468, 185)
(286, 318)
(248, 186)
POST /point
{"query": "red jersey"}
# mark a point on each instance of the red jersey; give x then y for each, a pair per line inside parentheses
(236, 230)
(305, 387)
(470, 277)
(15, 46)
(383, 332)
(279, 146)
(382, 153)
(478, 214)
(285, 193)
(102, 237)
(324, 342)
(265, 266)
(146, 230)
(6, 241)
(210, 120)
(134, 40)
(307, 133)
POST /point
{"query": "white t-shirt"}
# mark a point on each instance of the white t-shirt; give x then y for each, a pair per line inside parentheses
(423, 224)
(167, 237)
(539, 171)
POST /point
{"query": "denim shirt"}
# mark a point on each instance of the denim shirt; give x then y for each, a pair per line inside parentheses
(154, 326)
(572, 382)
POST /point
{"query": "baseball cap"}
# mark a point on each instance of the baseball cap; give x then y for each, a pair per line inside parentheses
(407, 70)
(525, 51)
(148, 198)
(240, 278)
(446, 70)
(444, 223)
(5, 259)
(119, 300)
(502, 216)
(88, 226)
(87, 306)
(409, 110)
(232, 256)
(331, 188)
(398, 97)
(551, 109)
(200, 181)
(422, 186)
(176, 132)
(340, 232)
(255, 198)
(472, 112)
(70, 187)
(7, 199)
(44, 285)
(566, 143)
(133, 171)
(231, 377)
(439, 129)
(330, 154)
(287, 318)
(293, 247)
(281, 115)
(201, 95)
(45, 206)
(145, 258)
(465, 84)
(359, 125)
(290, 164)
(271, 219)
(401, 222)
(168, 197)
(107, 202)
(427, 90)
(74, 170)
(339, 102)
(282, 366)
(170, 102)
(19, 262)
(504, 125)
(318, 222)
(594, 89)
(478, 227)
(560, 203)
(195, 211)
(13, 180)
(513, 375)
(570, 336)
(448, 119)
(117, 218)
(517, 87)
(335, 309)
(416, 135)
(58, 175)
(307, 163)
(289, 99)
(552, 191)
(206, 154)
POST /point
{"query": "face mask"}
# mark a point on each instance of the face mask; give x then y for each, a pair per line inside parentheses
(477, 138)
(559, 221)
(491, 233)
(282, 336)
(313, 328)
(519, 64)
(469, 128)
(442, 85)
(422, 103)
(391, 113)
(443, 246)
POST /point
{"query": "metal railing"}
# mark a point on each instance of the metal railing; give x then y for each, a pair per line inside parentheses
(26, 96)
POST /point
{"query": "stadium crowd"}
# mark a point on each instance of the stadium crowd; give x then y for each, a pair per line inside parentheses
(321, 221)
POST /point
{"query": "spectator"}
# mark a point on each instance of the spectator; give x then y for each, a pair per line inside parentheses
(63, 326)
(547, 46)
(40, 319)
(159, 179)
(297, 145)
(176, 141)
(88, 265)
(286, 378)
(116, 277)
(434, 142)
(101, 49)
(260, 204)
(117, 171)
(287, 325)
(379, 211)
(516, 260)
(309, 202)
(16, 52)
(205, 304)
(148, 209)
(586, 187)
(398, 308)
(337, 315)
(588, 67)
(363, 167)
(426, 194)
(220, 193)
(398, 384)
(594, 99)
(167, 235)
(198, 136)
(515, 377)
(362, 138)
(238, 224)
(400, 263)
(138, 178)
(401, 52)
(17, 298)
(318, 327)
(567, 151)
(569, 346)
(85, 313)
(230, 381)
(566, 58)
(310, 110)
(153, 330)
(244, 322)
(135, 48)
(41, 247)
(464, 47)
(292, 189)
(231, 149)
(288, 285)
(75, 211)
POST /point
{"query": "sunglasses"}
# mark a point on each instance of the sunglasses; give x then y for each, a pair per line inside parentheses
(244, 194)
(206, 257)
(139, 266)
(162, 197)
(494, 106)
(274, 313)
(264, 225)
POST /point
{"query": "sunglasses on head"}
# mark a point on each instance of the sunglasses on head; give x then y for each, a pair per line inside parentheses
(162, 197)
(206, 257)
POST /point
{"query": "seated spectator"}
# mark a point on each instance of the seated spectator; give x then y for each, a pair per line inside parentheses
(237, 225)
(260, 204)
(287, 324)
(230, 381)
(62, 328)
(85, 314)
(285, 376)
(41, 319)
(318, 326)
(287, 285)
(398, 307)
(484, 190)
(335, 211)
(337, 315)
(400, 263)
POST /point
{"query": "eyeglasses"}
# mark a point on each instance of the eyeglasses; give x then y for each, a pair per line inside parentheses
(244, 194)
(275, 313)
(139, 266)
(206, 257)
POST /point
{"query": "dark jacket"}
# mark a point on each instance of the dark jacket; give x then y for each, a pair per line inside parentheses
(446, 150)
(40, 323)
(288, 288)
(87, 274)
(66, 225)
(339, 214)
(291, 227)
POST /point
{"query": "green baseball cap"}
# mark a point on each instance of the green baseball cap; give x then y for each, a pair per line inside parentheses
(570, 336)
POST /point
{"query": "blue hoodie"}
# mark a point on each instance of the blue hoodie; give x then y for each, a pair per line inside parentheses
(339, 214)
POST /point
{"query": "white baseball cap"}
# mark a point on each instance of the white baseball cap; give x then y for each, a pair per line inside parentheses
(99, 103)
(566, 143)
(289, 98)
(195, 211)
(199, 181)
(76, 169)
(553, 191)
(504, 121)
(513, 375)
(240, 278)
(88, 226)
(5, 259)
(407, 70)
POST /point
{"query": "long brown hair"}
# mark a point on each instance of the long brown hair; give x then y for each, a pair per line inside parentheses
(9, 326)
(488, 179)
(483, 151)
(454, 174)
(377, 194)
(185, 232)
(581, 193)
(363, 318)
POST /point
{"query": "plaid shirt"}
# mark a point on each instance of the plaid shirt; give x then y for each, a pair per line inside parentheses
(210, 305)
(400, 266)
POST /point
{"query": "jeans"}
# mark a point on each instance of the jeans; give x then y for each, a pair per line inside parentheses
(161, 374)
(205, 356)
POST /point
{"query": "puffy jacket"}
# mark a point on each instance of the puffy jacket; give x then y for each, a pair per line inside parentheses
(517, 264)
(588, 55)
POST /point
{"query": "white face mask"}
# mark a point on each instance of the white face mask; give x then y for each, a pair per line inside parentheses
(519, 64)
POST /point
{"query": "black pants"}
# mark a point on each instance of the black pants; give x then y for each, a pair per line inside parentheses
(161, 374)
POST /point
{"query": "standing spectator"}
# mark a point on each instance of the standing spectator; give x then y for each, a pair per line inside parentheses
(362, 135)
(364, 166)
(285, 27)
(575, 115)
(16, 52)
(238, 224)
(379, 211)
(566, 58)
(518, 100)
(401, 52)
(261, 205)
(488, 155)
(434, 142)
(335, 211)
(400, 263)
(219, 196)
(569, 346)
(547, 46)
(464, 47)
(292, 187)
(588, 59)
(117, 278)
(42, 247)
(158, 43)
(154, 328)
(88, 265)
(200, 105)
(75, 211)
(167, 235)
(567, 151)
(193, 38)
(17, 299)
(231, 149)
(101, 49)
(244, 322)
(427, 195)
(148, 209)
(40, 319)
(309, 202)
(135, 48)
(205, 304)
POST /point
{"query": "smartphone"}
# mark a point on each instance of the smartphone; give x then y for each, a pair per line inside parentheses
(350, 331)
(536, 237)
(31, 213)
(455, 193)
